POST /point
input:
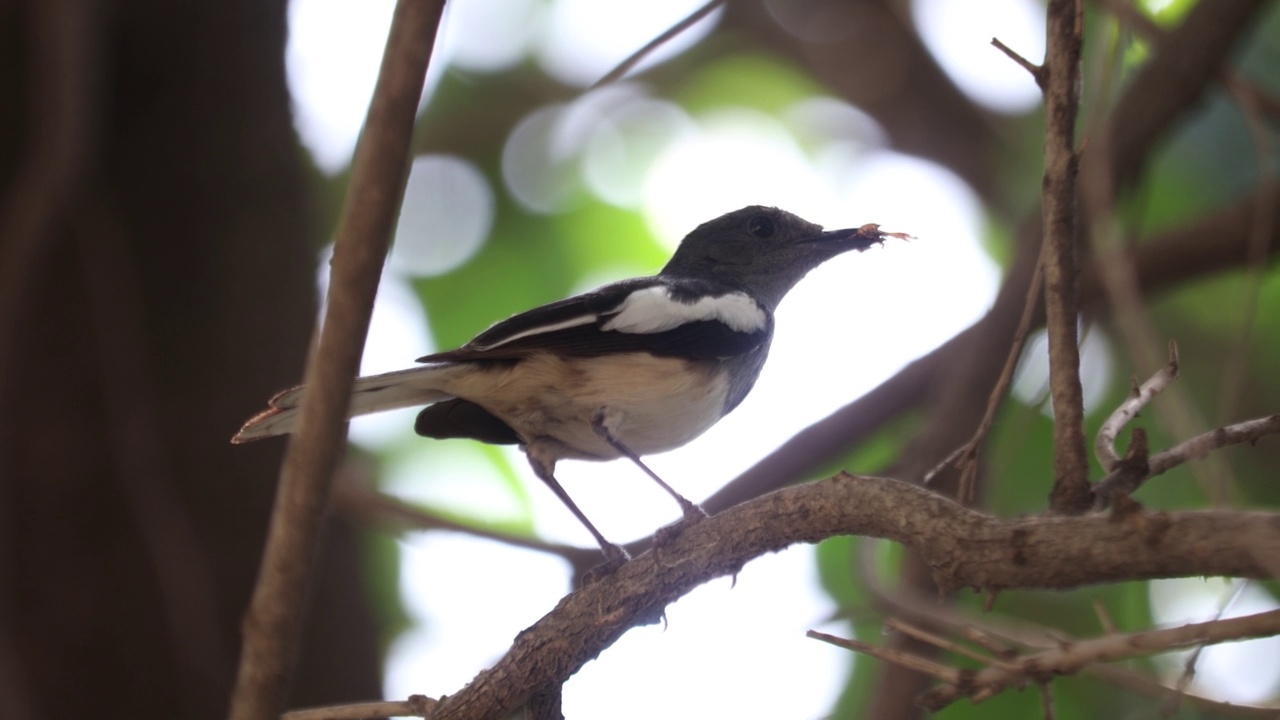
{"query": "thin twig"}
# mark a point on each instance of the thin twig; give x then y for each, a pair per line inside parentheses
(1046, 699)
(1073, 657)
(1104, 445)
(1196, 448)
(1061, 96)
(1200, 446)
(634, 59)
(1135, 682)
(1189, 668)
(966, 456)
(273, 622)
(940, 642)
(944, 673)
(1037, 72)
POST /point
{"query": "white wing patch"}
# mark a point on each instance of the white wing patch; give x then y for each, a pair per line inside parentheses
(653, 310)
(551, 327)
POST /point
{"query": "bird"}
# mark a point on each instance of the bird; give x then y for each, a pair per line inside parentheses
(635, 367)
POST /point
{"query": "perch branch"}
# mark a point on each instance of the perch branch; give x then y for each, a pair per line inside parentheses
(961, 546)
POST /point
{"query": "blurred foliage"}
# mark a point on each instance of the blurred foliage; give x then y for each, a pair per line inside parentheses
(767, 84)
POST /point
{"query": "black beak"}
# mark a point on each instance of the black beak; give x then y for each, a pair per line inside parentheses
(859, 238)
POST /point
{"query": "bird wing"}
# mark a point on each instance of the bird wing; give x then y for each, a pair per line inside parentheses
(670, 317)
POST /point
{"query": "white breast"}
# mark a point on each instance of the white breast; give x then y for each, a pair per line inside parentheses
(654, 403)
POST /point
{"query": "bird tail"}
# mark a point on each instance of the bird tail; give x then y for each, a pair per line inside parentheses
(375, 393)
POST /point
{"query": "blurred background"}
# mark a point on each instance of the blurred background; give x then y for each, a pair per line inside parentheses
(172, 174)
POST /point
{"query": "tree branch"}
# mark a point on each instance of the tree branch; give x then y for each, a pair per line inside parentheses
(273, 622)
(1120, 482)
(1072, 657)
(961, 546)
(1061, 74)
(1105, 445)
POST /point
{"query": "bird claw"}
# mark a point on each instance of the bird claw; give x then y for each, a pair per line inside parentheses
(692, 515)
(614, 558)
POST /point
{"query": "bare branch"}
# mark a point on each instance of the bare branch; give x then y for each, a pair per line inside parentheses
(966, 456)
(1193, 659)
(961, 546)
(1200, 446)
(273, 622)
(1136, 682)
(941, 642)
(1061, 72)
(1073, 657)
(1037, 72)
(634, 59)
(1197, 448)
(1104, 446)
(944, 673)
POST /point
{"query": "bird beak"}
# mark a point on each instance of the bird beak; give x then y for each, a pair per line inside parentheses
(859, 238)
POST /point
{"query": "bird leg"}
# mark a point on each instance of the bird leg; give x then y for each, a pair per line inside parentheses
(544, 467)
(690, 512)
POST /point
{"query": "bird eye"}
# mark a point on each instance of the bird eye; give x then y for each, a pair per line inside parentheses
(760, 225)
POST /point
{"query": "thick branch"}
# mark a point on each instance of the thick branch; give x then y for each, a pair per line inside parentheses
(1061, 72)
(963, 547)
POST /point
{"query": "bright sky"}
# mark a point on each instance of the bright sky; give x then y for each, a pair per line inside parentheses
(839, 333)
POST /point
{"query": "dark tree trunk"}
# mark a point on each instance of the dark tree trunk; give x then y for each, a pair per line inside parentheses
(158, 274)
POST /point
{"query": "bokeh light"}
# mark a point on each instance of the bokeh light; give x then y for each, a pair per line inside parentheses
(962, 44)
(446, 216)
(1241, 672)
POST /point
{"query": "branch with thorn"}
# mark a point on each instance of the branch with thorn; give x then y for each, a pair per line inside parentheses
(1104, 445)
(1125, 475)
(1071, 656)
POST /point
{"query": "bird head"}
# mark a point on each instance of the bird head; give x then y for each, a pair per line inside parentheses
(762, 250)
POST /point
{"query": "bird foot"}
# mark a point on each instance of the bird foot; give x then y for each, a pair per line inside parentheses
(614, 558)
(692, 515)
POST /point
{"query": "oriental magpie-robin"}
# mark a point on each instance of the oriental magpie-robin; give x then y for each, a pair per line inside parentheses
(636, 367)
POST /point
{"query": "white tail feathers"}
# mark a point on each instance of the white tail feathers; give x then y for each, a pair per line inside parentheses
(375, 393)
